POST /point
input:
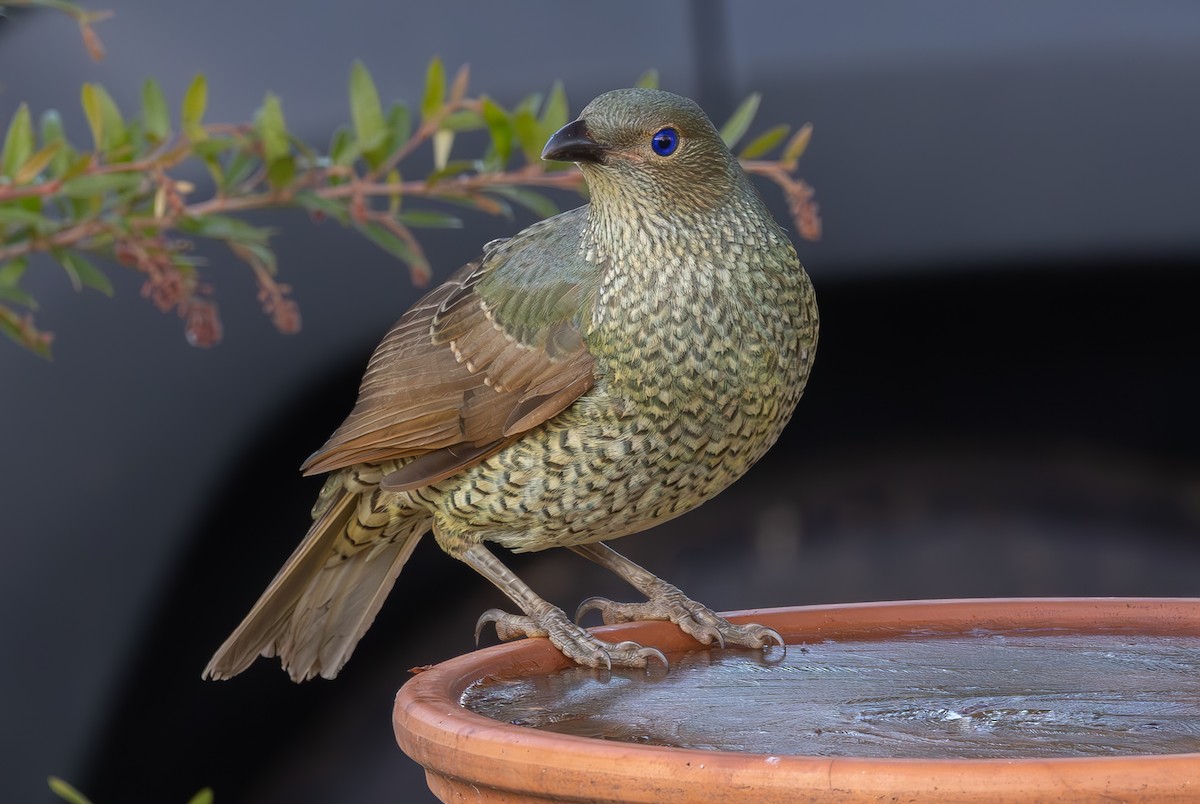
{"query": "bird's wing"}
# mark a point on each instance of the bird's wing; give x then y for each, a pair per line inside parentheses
(493, 352)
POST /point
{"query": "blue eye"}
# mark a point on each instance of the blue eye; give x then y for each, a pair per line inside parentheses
(665, 142)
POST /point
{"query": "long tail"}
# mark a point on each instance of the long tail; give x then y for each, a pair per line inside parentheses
(327, 594)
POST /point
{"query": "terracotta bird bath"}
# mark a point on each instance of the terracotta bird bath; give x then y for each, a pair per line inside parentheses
(955, 700)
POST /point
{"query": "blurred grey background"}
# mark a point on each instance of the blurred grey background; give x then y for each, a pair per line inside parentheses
(1004, 400)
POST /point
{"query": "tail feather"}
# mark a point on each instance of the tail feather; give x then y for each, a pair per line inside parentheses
(326, 595)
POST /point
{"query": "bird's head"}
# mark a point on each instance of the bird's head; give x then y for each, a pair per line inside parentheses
(648, 147)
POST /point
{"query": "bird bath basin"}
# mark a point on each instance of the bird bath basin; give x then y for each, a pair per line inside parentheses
(984, 700)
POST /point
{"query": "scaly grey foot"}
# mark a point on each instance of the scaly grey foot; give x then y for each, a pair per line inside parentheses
(698, 621)
(575, 642)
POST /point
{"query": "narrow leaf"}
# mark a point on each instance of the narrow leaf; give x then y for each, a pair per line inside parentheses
(529, 135)
(195, 101)
(343, 150)
(463, 120)
(273, 129)
(223, 227)
(281, 172)
(535, 202)
(23, 332)
(114, 132)
(327, 206)
(390, 242)
(52, 131)
(66, 792)
(255, 254)
(435, 89)
(555, 111)
(19, 216)
(99, 184)
(95, 116)
(37, 163)
(365, 109)
(155, 115)
(737, 125)
(18, 142)
(647, 80)
(765, 142)
(429, 219)
(797, 145)
(500, 128)
(399, 123)
(82, 272)
(204, 796)
(12, 271)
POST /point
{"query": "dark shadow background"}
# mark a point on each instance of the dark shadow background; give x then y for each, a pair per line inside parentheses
(1004, 400)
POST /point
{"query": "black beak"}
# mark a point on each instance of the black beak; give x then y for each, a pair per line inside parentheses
(573, 143)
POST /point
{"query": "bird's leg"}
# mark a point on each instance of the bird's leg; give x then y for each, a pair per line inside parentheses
(543, 619)
(666, 602)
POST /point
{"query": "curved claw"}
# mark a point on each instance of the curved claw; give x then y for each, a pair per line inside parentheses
(592, 603)
(773, 635)
(627, 645)
(653, 653)
(489, 616)
(713, 635)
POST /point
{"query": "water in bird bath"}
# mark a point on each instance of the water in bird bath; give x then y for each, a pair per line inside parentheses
(976, 695)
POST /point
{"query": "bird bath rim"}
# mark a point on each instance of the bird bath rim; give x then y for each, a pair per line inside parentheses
(464, 752)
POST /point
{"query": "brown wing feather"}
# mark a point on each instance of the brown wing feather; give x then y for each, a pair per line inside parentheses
(449, 387)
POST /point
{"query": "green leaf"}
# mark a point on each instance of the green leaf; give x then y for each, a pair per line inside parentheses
(255, 254)
(390, 242)
(365, 109)
(83, 272)
(766, 141)
(435, 89)
(223, 227)
(18, 142)
(429, 219)
(281, 172)
(52, 131)
(273, 129)
(92, 111)
(237, 169)
(12, 271)
(533, 201)
(204, 796)
(555, 111)
(737, 125)
(317, 203)
(463, 120)
(449, 171)
(155, 115)
(113, 131)
(797, 145)
(529, 135)
(10, 275)
(399, 123)
(37, 163)
(66, 792)
(100, 183)
(19, 216)
(343, 150)
(24, 333)
(501, 130)
(648, 79)
(195, 101)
